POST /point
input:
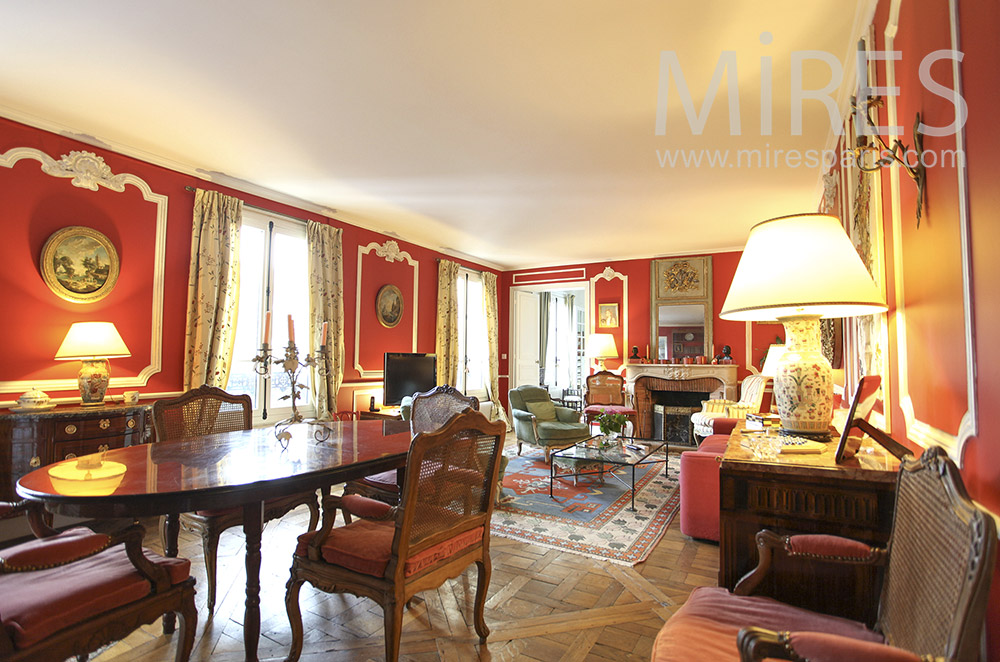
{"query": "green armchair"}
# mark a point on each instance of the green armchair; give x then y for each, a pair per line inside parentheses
(540, 422)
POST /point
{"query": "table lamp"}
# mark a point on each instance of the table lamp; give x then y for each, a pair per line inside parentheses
(93, 343)
(796, 270)
(774, 354)
(602, 346)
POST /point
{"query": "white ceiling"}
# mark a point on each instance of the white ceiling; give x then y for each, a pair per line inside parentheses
(519, 132)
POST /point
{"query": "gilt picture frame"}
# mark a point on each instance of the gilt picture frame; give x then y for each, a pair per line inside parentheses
(607, 315)
(389, 306)
(79, 264)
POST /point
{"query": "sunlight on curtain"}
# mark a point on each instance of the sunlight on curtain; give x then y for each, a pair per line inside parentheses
(326, 304)
(446, 344)
(213, 289)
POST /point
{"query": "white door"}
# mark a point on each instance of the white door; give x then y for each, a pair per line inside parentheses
(526, 338)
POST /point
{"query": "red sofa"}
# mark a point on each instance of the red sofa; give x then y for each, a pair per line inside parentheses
(699, 484)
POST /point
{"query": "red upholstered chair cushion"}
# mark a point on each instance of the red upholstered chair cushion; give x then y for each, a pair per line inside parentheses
(67, 546)
(362, 506)
(705, 627)
(610, 409)
(829, 546)
(823, 647)
(384, 481)
(39, 603)
(364, 546)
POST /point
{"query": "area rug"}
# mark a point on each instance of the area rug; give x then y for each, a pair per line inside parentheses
(589, 518)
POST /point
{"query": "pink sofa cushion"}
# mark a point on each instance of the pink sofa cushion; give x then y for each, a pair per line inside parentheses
(364, 546)
(715, 444)
(38, 604)
(705, 627)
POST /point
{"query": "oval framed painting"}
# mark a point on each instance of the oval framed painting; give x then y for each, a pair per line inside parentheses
(389, 306)
(79, 264)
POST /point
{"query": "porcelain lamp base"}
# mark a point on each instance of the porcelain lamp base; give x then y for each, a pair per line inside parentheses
(803, 383)
(94, 377)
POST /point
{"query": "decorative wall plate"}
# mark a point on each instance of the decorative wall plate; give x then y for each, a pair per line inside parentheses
(389, 306)
(79, 264)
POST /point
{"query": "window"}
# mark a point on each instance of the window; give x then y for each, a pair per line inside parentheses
(273, 276)
(473, 345)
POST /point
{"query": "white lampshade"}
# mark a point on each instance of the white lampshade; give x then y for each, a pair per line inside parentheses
(602, 346)
(92, 340)
(774, 354)
(804, 264)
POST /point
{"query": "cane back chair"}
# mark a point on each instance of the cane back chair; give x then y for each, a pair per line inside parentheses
(67, 594)
(428, 412)
(938, 567)
(210, 410)
(441, 526)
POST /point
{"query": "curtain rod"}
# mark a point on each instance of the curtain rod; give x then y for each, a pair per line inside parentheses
(258, 208)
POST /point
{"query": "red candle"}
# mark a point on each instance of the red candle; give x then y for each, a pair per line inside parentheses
(267, 327)
(291, 330)
(322, 342)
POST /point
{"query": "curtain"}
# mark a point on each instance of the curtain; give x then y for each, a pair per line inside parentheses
(446, 346)
(544, 303)
(490, 305)
(326, 304)
(213, 289)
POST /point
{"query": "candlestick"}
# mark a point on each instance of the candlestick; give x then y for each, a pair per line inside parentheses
(322, 342)
(267, 328)
(291, 330)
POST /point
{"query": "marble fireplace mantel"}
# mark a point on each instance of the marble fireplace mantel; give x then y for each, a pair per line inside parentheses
(724, 373)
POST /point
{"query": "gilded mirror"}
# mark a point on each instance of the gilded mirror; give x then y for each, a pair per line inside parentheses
(681, 308)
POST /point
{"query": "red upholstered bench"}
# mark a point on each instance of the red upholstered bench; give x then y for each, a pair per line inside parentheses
(699, 485)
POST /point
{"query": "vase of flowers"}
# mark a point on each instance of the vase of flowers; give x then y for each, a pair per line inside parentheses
(611, 424)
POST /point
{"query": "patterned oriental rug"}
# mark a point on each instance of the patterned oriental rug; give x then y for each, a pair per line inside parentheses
(589, 518)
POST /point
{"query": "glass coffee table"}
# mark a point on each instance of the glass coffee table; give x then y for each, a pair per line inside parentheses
(589, 457)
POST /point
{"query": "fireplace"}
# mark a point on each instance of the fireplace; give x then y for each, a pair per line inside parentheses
(672, 415)
(679, 395)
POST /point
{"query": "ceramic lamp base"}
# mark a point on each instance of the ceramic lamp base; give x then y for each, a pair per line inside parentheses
(803, 383)
(94, 377)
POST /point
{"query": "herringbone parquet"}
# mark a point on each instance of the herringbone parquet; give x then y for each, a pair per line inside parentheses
(543, 605)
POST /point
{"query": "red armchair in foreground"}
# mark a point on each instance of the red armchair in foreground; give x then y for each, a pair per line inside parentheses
(67, 594)
(441, 526)
(939, 564)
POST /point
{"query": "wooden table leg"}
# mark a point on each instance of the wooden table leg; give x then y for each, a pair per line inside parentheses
(171, 530)
(253, 525)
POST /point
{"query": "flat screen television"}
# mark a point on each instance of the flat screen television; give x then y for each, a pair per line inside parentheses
(406, 374)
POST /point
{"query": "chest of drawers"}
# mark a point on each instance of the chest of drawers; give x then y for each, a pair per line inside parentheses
(29, 440)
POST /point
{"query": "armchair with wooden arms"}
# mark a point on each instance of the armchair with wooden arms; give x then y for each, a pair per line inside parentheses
(427, 411)
(540, 422)
(606, 393)
(938, 567)
(441, 526)
(210, 410)
(67, 594)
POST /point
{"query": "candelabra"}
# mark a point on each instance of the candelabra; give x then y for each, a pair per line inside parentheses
(291, 366)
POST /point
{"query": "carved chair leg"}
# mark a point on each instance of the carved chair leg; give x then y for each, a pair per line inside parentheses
(210, 550)
(314, 513)
(170, 528)
(294, 616)
(518, 446)
(188, 614)
(482, 587)
(393, 629)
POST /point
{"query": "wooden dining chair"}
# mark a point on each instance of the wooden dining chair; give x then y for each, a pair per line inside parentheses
(347, 415)
(67, 594)
(209, 410)
(441, 526)
(429, 411)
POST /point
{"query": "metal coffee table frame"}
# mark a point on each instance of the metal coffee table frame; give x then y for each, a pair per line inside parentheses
(625, 451)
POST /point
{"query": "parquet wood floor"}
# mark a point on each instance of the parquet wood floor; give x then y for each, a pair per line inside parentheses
(543, 605)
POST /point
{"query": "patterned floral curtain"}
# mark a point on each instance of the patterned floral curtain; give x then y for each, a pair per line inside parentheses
(491, 306)
(446, 347)
(326, 304)
(213, 289)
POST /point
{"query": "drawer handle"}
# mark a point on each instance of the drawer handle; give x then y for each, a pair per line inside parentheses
(104, 424)
(69, 456)
(130, 423)
(35, 462)
(70, 429)
(103, 448)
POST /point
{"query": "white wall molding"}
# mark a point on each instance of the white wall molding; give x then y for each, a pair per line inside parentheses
(609, 275)
(390, 252)
(88, 170)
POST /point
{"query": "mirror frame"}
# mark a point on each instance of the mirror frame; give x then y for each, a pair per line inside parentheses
(680, 281)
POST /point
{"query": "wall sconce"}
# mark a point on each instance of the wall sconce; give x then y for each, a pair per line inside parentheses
(883, 155)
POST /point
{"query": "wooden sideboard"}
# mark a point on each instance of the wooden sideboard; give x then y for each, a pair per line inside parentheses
(32, 439)
(801, 493)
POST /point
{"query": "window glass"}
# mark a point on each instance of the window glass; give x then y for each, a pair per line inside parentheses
(473, 343)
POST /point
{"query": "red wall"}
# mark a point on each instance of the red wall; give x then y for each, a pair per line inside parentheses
(36, 205)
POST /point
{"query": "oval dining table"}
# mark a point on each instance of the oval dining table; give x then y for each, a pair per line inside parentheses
(226, 470)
